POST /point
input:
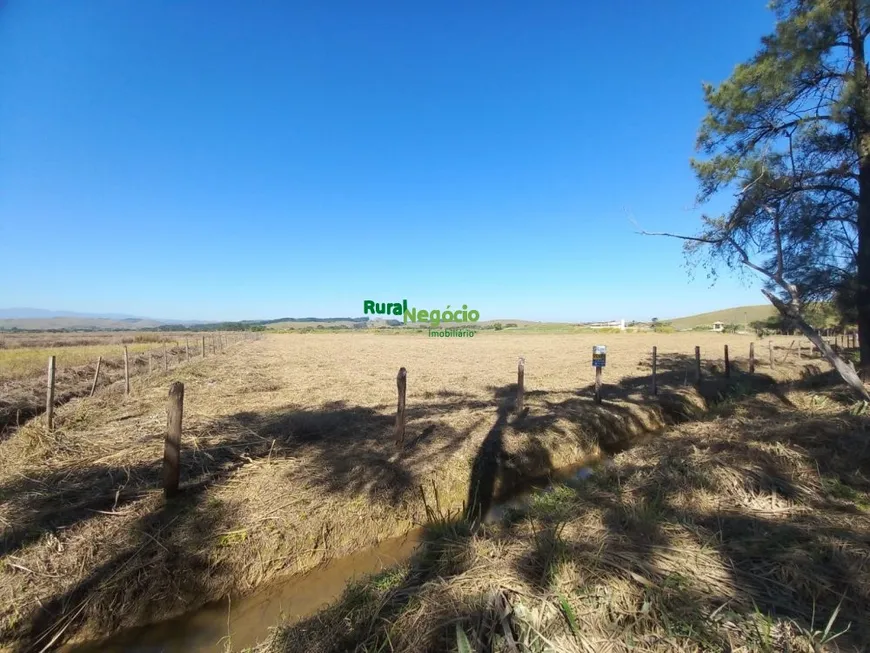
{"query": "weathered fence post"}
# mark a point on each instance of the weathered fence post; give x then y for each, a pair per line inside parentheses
(187, 349)
(126, 372)
(655, 386)
(49, 397)
(150, 361)
(203, 346)
(752, 358)
(96, 375)
(727, 364)
(597, 385)
(172, 444)
(402, 384)
(697, 365)
(521, 372)
(165, 359)
(770, 349)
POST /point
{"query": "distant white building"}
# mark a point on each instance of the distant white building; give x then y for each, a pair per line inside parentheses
(718, 327)
(607, 325)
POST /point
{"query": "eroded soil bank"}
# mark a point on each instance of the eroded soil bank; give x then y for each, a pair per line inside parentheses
(747, 530)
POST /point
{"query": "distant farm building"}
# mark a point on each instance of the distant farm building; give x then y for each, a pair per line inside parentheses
(619, 324)
(718, 327)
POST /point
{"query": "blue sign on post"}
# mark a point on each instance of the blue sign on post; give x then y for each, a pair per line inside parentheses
(599, 356)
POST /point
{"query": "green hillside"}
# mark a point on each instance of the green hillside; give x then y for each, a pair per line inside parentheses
(737, 315)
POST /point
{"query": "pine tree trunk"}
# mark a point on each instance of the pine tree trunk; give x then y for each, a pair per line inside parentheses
(863, 295)
(861, 81)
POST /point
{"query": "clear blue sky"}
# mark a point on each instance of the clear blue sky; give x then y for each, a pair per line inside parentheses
(229, 160)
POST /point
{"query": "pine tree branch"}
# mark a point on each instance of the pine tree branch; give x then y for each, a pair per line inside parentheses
(698, 239)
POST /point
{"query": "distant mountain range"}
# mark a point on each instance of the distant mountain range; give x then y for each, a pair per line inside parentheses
(42, 314)
(39, 319)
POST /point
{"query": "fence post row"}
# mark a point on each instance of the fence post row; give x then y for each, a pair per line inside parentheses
(49, 398)
(172, 444)
(165, 359)
(203, 346)
(655, 386)
(401, 384)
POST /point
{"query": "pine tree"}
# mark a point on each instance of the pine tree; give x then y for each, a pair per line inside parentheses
(789, 134)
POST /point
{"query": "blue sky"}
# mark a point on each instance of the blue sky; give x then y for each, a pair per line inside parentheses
(230, 160)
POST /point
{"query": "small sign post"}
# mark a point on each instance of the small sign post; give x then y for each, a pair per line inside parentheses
(599, 360)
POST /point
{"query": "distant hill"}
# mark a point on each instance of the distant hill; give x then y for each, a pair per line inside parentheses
(44, 314)
(40, 319)
(77, 323)
(311, 322)
(737, 315)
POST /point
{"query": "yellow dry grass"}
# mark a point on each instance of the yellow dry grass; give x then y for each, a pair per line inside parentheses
(288, 460)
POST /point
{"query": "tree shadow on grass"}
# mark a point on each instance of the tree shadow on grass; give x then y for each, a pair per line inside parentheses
(776, 534)
(162, 554)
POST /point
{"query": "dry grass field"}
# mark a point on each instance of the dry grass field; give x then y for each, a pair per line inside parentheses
(24, 357)
(288, 460)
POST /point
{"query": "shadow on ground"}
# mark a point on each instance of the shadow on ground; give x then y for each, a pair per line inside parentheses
(746, 530)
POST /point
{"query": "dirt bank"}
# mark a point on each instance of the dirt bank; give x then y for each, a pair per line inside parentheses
(748, 530)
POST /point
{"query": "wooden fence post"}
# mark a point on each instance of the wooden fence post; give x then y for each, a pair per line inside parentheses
(697, 365)
(126, 372)
(770, 349)
(597, 385)
(727, 364)
(402, 385)
(96, 375)
(187, 348)
(655, 386)
(521, 372)
(49, 397)
(203, 346)
(172, 444)
(150, 361)
(165, 359)
(752, 358)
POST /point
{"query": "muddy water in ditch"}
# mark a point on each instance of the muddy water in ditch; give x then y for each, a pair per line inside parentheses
(245, 621)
